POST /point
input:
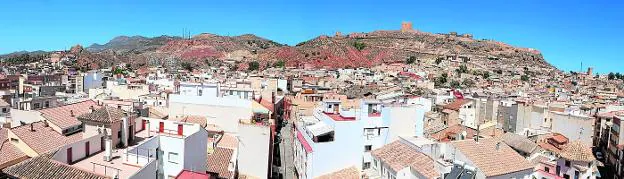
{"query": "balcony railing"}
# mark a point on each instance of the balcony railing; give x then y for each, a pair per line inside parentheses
(107, 170)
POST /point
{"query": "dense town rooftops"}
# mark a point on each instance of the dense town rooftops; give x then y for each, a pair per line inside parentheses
(492, 156)
(398, 155)
(105, 114)
(457, 104)
(577, 151)
(42, 138)
(346, 173)
(65, 116)
(219, 161)
(8, 152)
(43, 166)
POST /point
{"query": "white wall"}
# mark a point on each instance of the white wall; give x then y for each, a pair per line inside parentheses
(254, 150)
(223, 112)
(194, 154)
(574, 127)
(147, 172)
(78, 149)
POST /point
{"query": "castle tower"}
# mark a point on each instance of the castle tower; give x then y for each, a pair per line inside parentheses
(406, 27)
(590, 71)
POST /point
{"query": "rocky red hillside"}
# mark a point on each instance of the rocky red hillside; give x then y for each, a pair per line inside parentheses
(353, 50)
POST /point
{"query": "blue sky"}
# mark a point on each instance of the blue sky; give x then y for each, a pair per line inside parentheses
(567, 32)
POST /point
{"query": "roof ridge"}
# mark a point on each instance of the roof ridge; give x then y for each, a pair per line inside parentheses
(108, 113)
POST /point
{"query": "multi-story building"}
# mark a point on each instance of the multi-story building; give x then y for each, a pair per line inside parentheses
(335, 138)
(166, 149)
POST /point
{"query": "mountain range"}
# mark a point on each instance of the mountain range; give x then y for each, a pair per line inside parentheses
(336, 51)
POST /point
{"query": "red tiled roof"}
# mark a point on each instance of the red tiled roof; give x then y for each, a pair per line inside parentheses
(456, 105)
(61, 116)
(444, 134)
(219, 161)
(559, 138)
(228, 141)
(185, 174)
(398, 155)
(9, 154)
(304, 142)
(338, 117)
(43, 139)
(347, 173)
(492, 160)
(201, 120)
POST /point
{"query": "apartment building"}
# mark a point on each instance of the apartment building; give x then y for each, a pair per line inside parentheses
(336, 138)
(165, 149)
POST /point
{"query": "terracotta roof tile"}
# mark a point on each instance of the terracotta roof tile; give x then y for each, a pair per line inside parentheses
(62, 117)
(201, 120)
(219, 161)
(44, 166)
(8, 152)
(347, 173)
(490, 159)
(398, 155)
(103, 115)
(457, 104)
(453, 131)
(43, 139)
(228, 141)
(577, 151)
(519, 142)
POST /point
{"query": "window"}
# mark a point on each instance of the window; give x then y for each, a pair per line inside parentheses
(173, 157)
(47, 104)
(375, 162)
(366, 165)
(36, 106)
(200, 92)
(14, 140)
(5, 110)
(547, 169)
(576, 174)
(567, 163)
(368, 148)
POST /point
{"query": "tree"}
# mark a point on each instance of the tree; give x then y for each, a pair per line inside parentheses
(524, 77)
(441, 79)
(611, 76)
(455, 84)
(253, 66)
(359, 45)
(462, 69)
(279, 64)
(486, 74)
(187, 66)
(468, 82)
(618, 76)
(438, 61)
(410, 60)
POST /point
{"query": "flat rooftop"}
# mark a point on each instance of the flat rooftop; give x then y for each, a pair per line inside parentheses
(338, 117)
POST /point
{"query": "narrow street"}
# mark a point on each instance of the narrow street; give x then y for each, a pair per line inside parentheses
(286, 155)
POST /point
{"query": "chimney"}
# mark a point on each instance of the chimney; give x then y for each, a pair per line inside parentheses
(498, 145)
(71, 112)
(32, 128)
(108, 149)
(45, 124)
(92, 109)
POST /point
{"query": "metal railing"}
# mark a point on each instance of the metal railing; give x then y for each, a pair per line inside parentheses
(107, 169)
